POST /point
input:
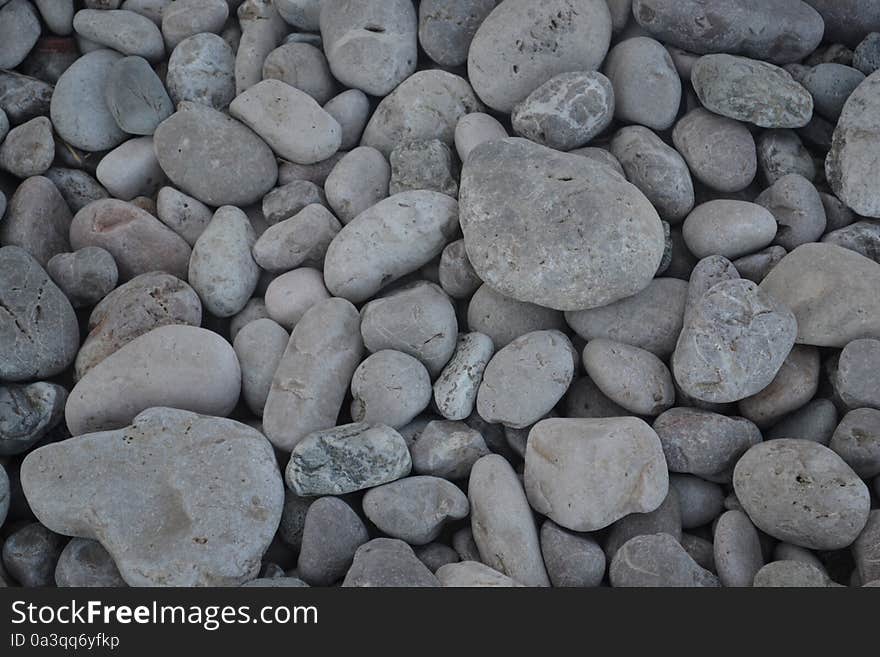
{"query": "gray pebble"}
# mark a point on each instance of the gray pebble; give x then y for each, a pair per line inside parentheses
(866, 56)
(28, 413)
(647, 88)
(455, 391)
(436, 555)
(657, 560)
(457, 276)
(855, 380)
(756, 266)
(85, 562)
(567, 111)
(186, 216)
(300, 240)
(415, 509)
(665, 519)
(781, 152)
(728, 228)
(464, 545)
(866, 549)
(447, 28)
(502, 523)
(253, 310)
(31, 553)
(285, 201)
(862, 237)
(831, 85)
(302, 14)
(475, 128)
(23, 98)
(798, 209)
(788, 552)
(585, 400)
(706, 274)
(720, 152)
(427, 164)
(700, 550)
(388, 562)
(391, 388)
(738, 556)
(218, 478)
(358, 181)
(293, 518)
(29, 148)
(572, 560)
(793, 386)
(136, 96)
(4, 496)
(331, 535)
(857, 441)
(700, 501)
(131, 170)
(201, 69)
(184, 18)
(19, 32)
(473, 574)
(124, 31)
(447, 449)
(790, 574)
(77, 187)
(262, 29)
(37, 219)
(802, 492)
(85, 276)
(815, 421)
(504, 319)
(351, 109)
(259, 345)
(302, 66)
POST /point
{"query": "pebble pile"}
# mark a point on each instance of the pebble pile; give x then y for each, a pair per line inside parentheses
(568, 293)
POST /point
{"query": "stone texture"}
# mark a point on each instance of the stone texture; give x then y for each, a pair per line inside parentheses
(331, 535)
(657, 560)
(28, 413)
(388, 562)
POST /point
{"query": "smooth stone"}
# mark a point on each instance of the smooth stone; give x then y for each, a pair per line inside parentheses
(28, 149)
(418, 320)
(831, 291)
(585, 400)
(391, 388)
(347, 458)
(303, 66)
(657, 169)
(647, 88)
(525, 379)
(28, 413)
(751, 90)
(351, 109)
(124, 31)
(262, 30)
(436, 555)
(77, 187)
(136, 96)
(802, 492)
(316, 173)
(830, 85)
(781, 152)
(22, 97)
(720, 152)
(847, 21)
(790, 574)
(472, 574)
(704, 443)
(521, 202)
(393, 238)
(5, 494)
(866, 549)
(133, 309)
(464, 545)
(475, 128)
(206, 492)
(567, 111)
(456, 273)
(848, 166)
(201, 69)
(519, 46)
(502, 523)
(634, 378)
(665, 519)
(756, 266)
(289, 121)
(388, 562)
(427, 105)
(728, 228)
(276, 582)
(447, 449)
(291, 294)
(84, 562)
(815, 421)
(738, 556)
(30, 554)
(138, 241)
(793, 386)
(19, 32)
(185, 18)
(797, 207)
(177, 366)
(857, 441)
(504, 319)
(572, 560)
(455, 391)
(836, 212)
(699, 501)
(866, 56)
(253, 310)
(131, 170)
(733, 343)
(855, 379)
(358, 181)
(259, 346)
(38, 326)
(862, 237)
(415, 509)
(293, 518)
(183, 214)
(302, 14)
(706, 274)
(301, 240)
(372, 45)
(424, 164)
(37, 220)
(657, 560)
(780, 31)
(447, 28)
(324, 349)
(85, 276)
(285, 201)
(331, 535)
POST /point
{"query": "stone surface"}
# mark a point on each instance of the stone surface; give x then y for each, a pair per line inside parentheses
(124, 31)
(472, 574)
(388, 562)
(447, 449)
(426, 164)
(136, 96)
(793, 386)
(31, 553)
(737, 547)
(446, 28)
(504, 319)
(84, 562)
(85, 276)
(728, 228)
(389, 387)
(790, 574)
(572, 560)
(855, 380)
(19, 32)
(259, 346)
(131, 170)
(28, 149)
(300, 240)
(28, 413)
(720, 152)
(37, 220)
(201, 69)
(857, 441)
(657, 560)
(797, 207)
(331, 535)
(455, 391)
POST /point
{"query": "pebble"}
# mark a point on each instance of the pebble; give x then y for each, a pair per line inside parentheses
(831, 291)
(704, 443)
(585, 474)
(31, 553)
(647, 88)
(729, 228)
(856, 135)
(201, 69)
(357, 182)
(241, 167)
(790, 574)
(797, 207)
(567, 111)
(28, 413)
(472, 574)
(138, 241)
(572, 560)
(657, 560)
(733, 342)
(303, 66)
(259, 346)
(447, 28)
(866, 549)
(502, 523)
(178, 366)
(85, 276)
(756, 266)
(388, 562)
(720, 152)
(215, 478)
(85, 562)
(391, 388)
(657, 169)
(523, 216)
(855, 380)
(525, 379)
(301, 240)
(447, 449)
(133, 309)
(781, 152)
(699, 501)
(28, 149)
(183, 214)
(136, 96)
(780, 31)
(814, 421)
(857, 441)
(455, 391)
(19, 31)
(37, 220)
(862, 237)
(262, 29)
(802, 492)
(331, 535)
(324, 350)
(456, 273)
(585, 400)
(738, 556)
(289, 121)
(371, 45)
(394, 237)
(124, 31)
(427, 105)
(77, 187)
(519, 46)
(427, 164)
(302, 14)
(830, 85)
(185, 18)
(436, 555)
(38, 324)
(23, 98)
(415, 509)
(866, 56)
(285, 201)
(665, 519)
(131, 170)
(475, 128)
(351, 109)
(504, 319)
(347, 458)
